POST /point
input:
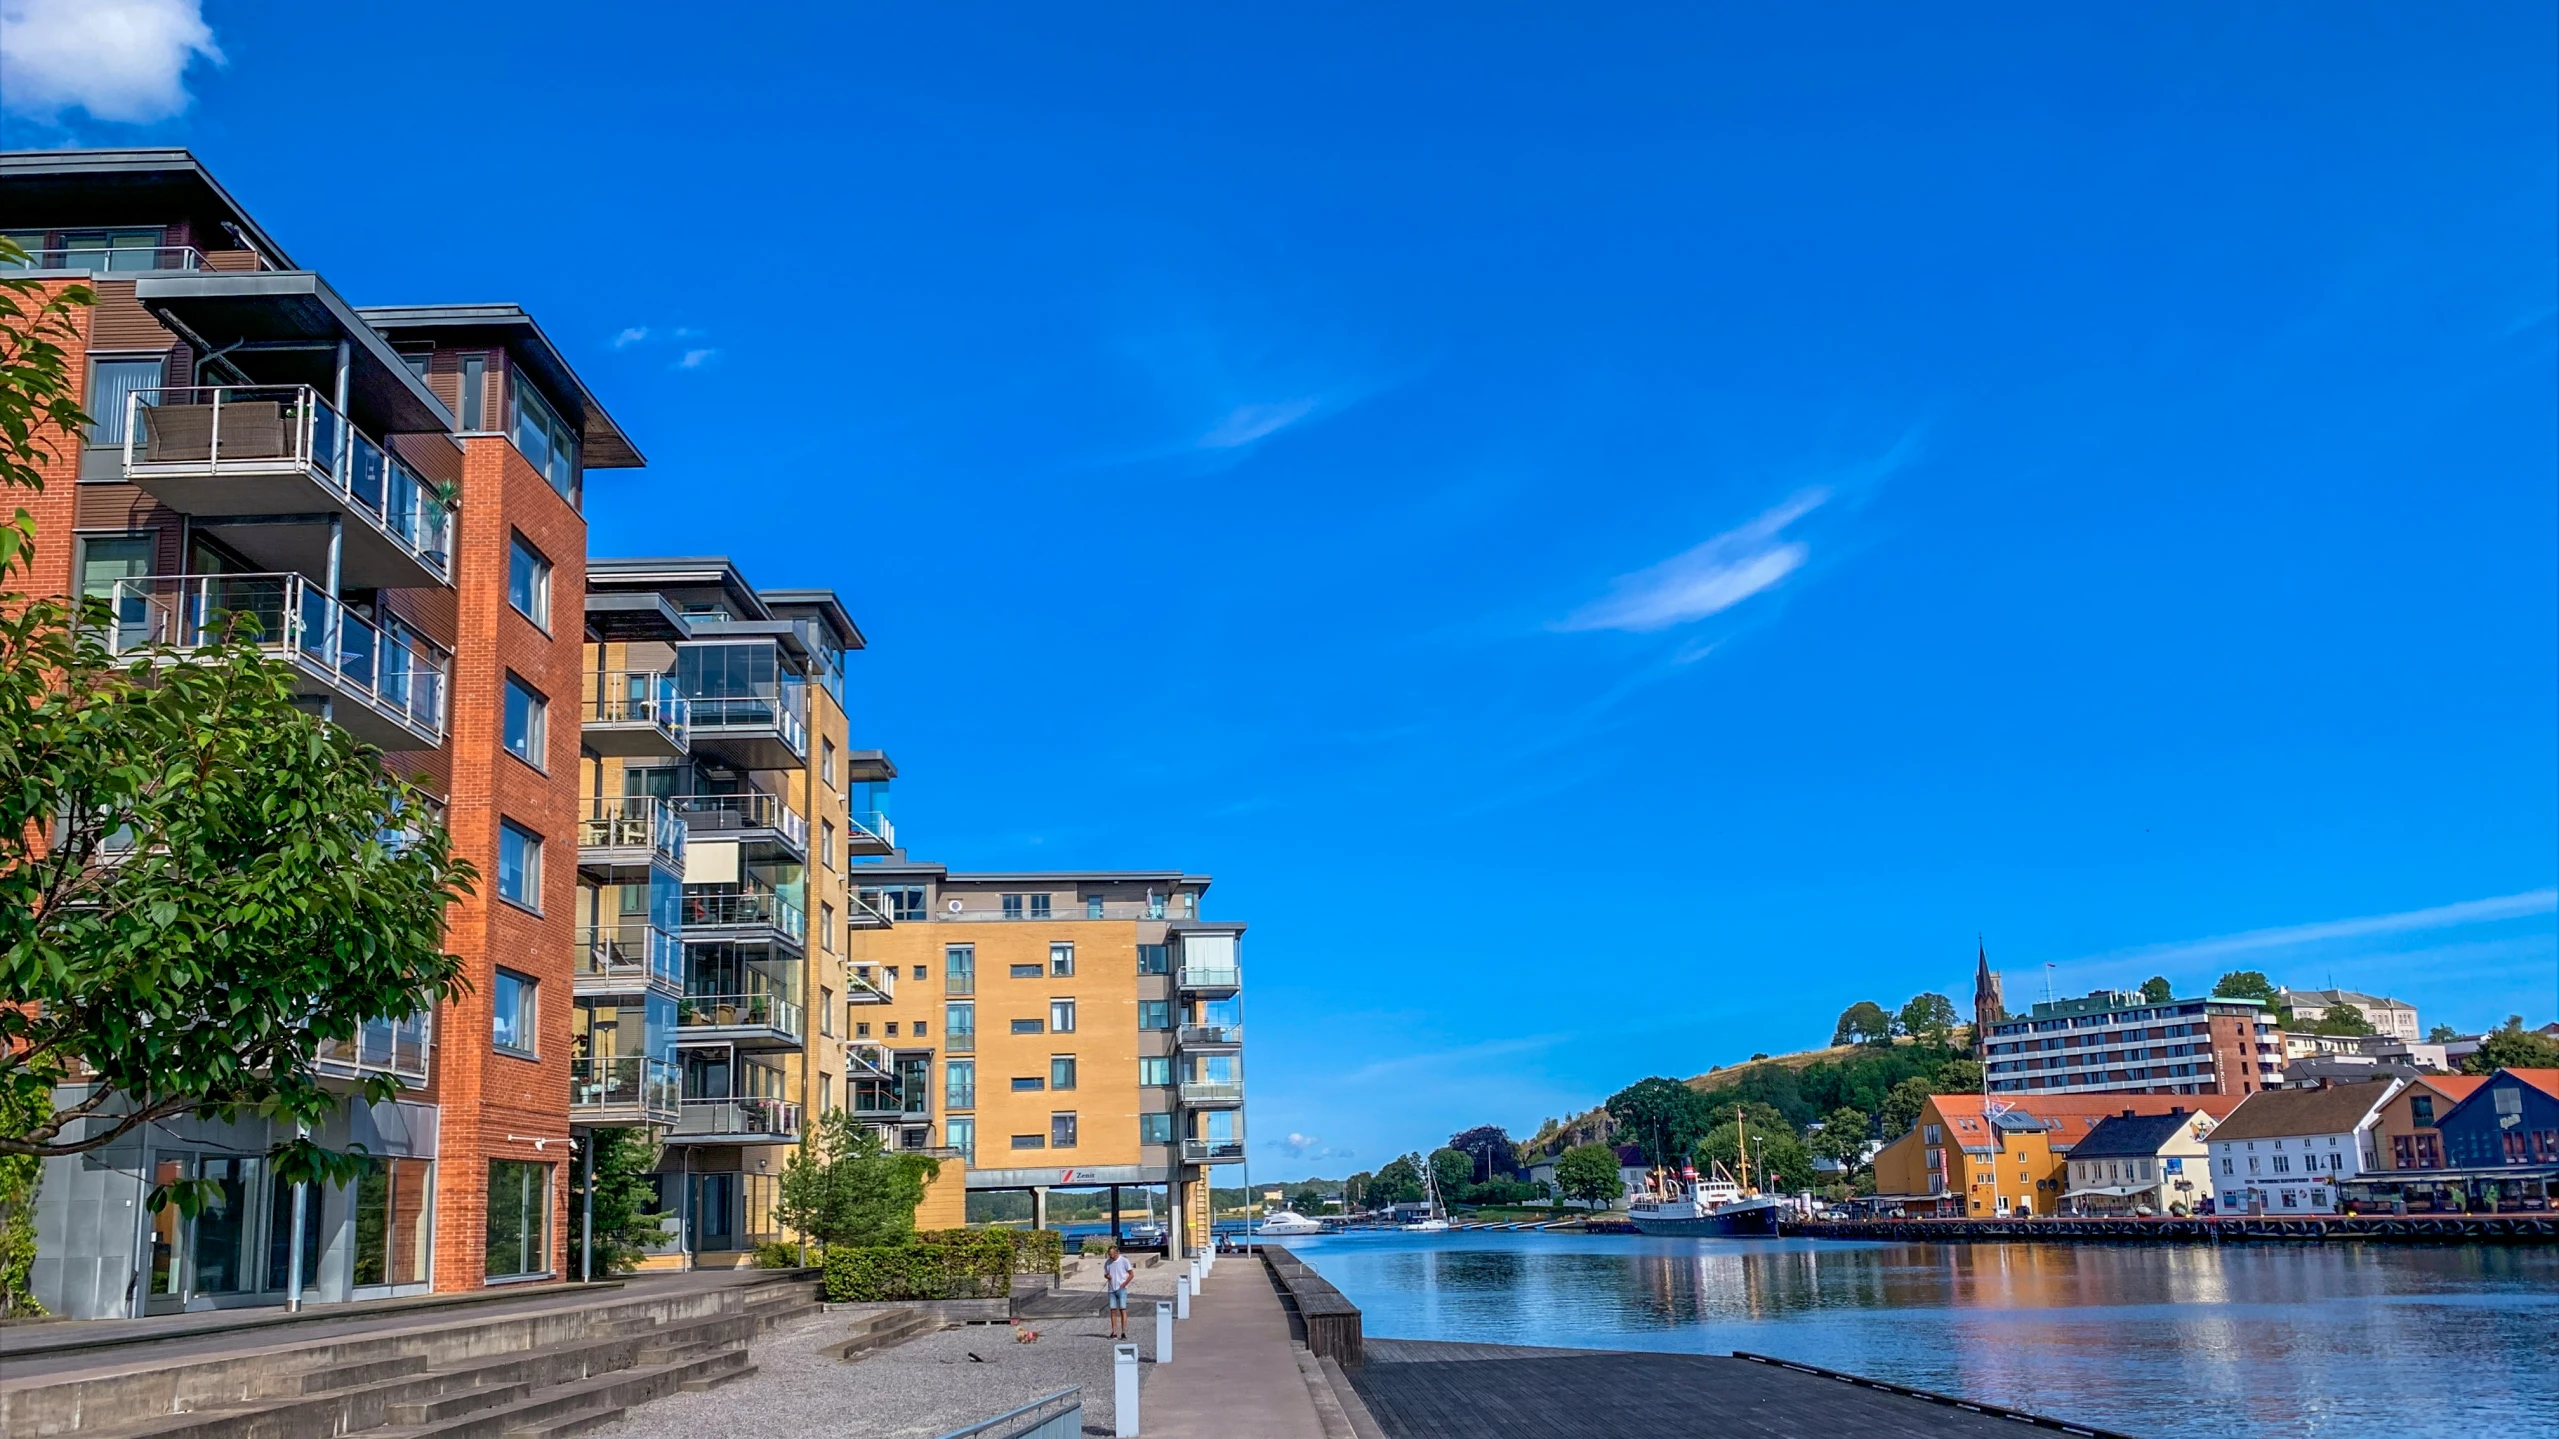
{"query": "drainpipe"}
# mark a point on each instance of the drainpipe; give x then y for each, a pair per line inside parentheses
(586, 1230)
(293, 1261)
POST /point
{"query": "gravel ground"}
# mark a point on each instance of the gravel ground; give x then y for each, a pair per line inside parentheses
(924, 1387)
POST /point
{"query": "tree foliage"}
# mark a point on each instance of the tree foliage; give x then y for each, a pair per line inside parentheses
(1864, 1022)
(1495, 1154)
(202, 886)
(1902, 1107)
(1929, 1018)
(627, 1220)
(1398, 1181)
(1661, 1115)
(1589, 1173)
(1454, 1170)
(2157, 989)
(2511, 1046)
(844, 1187)
(39, 394)
(2442, 1034)
(1843, 1138)
(2342, 1019)
(2245, 984)
(1778, 1159)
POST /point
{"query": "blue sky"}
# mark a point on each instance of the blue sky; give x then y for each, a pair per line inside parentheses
(1612, 536)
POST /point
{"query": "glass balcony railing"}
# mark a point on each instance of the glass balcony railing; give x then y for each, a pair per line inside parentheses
(779, 712)
(1212, 1151)
(631, 951)
(739, 1011)
(712, 814)
(631, 1083)
(110, 259)
(633, 822)
(398, 674)
(396, 1047)
(760, 907)
(776, 1120)
(1201, 1036)
(216, 430)
(637, 698)
(1212, 976)
(1207, 1091)
(871, 833)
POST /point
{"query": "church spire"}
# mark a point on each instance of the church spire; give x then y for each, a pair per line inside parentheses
(1989, 1004)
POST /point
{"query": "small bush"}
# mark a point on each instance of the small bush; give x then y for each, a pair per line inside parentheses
(866, 1274)
(774, 1254)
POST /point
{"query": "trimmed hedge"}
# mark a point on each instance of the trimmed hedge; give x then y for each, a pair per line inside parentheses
(942, 1264)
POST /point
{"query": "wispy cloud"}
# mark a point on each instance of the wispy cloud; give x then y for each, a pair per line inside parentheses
(632, 336)
(696, 359)
(1441, 1059)
(1307, 1147)
(119, 60)
(1246, 423)
(1707, 579)
(2442, 916)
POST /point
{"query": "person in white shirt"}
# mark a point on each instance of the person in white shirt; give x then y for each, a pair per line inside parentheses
(1116, 1274)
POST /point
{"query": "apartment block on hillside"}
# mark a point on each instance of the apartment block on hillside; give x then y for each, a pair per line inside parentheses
(2115, 1042)
(360, 481)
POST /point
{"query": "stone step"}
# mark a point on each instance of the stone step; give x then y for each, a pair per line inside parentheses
(706, 1383)
(324, 1376)
(572, 1403)
(566, 1425)
(883, 1331)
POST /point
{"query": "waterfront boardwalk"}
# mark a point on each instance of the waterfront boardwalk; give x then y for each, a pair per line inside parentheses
(2526, 1228)
(1234, 1371)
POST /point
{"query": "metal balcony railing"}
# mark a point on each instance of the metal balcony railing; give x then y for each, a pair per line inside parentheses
(715, 814)
(400, 675)
(630, 1082)
(1204, 1091)
(396, 1047)
(631, 951)
(111, 259)
(1212, 976)
(868, 913)
(1212, 1151)
(754, 907)
(862, 1057)
(214, 430)
(871, 833)
(778, 712)
(637, 697)
(877, 987)
(633, 822)
(1211, 1035)
(777, 1120)
(739, 1011)
(1068, 909)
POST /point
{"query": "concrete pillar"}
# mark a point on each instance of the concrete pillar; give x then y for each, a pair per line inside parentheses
(1124, 1390)
(1039, 1208)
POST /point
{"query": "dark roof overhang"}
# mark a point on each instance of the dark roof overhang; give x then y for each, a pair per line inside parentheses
(81, 189)
(606, 447)
(246, 315)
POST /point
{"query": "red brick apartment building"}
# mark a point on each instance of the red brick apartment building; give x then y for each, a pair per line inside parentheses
(2116, 1042)
(396, 492)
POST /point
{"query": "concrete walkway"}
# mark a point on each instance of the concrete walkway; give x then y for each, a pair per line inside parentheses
(1233, 1372)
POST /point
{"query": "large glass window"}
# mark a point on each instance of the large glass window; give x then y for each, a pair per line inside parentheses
(959, 1084)
(111, 385)
(1061, 1016)
(1061, 961)
(959, 969)
(519, 865)
(511, 1007)
(528, 581)
(391, 1230)
(959, 1028)
(1155, 1014)
(475, 392)
(1061, 1071)
(961, 1134)
(544, 439)
(1061, 1131)
(519, 1218)
(1152, 959)
(527, 722)
(1155, 1129)
(1155, 1069)
(105, 559)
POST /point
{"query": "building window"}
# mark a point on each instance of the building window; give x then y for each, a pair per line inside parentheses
(527, 721)
(475, 393)
(545, 441)
(1061, 1016)
(528, 582)
(1026, 1026)
(826, 1012)
(1030, 1141)
(826, 761)
(961, 1134)
(1155, 1129)
(112, 384)
(919, 1029)
(512, 1013)
(826, 843)
(862, 1029)
(1155, 1069)
(1155, 1014)
(959, 1084)
(959, 969)
(1061, 961)
(1153, 959)
(2421, 1109)
(1061, 1131)
(1028, 971)
(519, 865)
(919, 972)
(826, 926)
(1093, 906)
(519, 1224)
(105, 559)
(1039, 906)
(1061, 1071)
(1027, 1083)
(888, 1030)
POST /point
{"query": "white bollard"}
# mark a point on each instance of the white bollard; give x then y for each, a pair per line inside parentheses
(1124, 1390)
(1163, 1333)
(1182, 1297)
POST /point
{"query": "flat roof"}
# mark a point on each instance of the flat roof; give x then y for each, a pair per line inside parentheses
(826, 606)
(215, 309)
(606, 447)
(132, 186)
(678, 572)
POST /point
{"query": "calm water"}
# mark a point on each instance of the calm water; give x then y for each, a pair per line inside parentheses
(2155, 1341)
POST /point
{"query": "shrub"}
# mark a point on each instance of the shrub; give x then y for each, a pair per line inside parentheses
(872, 1273)
(774, 1254)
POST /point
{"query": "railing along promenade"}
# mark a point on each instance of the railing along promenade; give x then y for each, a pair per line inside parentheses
(2525, 1228)
(1330, 1321)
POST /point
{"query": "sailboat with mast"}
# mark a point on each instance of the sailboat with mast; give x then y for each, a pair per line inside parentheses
(1719, 1205)
(1436, 1220)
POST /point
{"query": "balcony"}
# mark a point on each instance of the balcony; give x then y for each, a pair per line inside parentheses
(1212, 1037)
(1213, 981)
(1212, 1151)
(1212, 1094)
(634, 714)
(877, 987)
(1050, 913)
(626, 1091)
(753, 731)
(280, 450)
(867, 912)
(620, 840)
(870, 834)
(749, 1021)
(627, 957)
(396, 1047)
(864, 1059)
(110, 259)
(750, 817)
(750, 915)
(736, 1121)
(382, 683)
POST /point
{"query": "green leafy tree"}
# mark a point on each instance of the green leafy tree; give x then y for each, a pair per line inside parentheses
(1929, 1018)
(202, 886)
(2442, 1034)
(1495, 1154)
(2245, 984)
(1455, 1171)
(2157, 989)
(1662, 1115)
(627, 1220)
(2344, 1020)
(1777, 1156)
(39, 393)
(1398, 1181)
(1355, 1191)
(1842, 1139)
(1902, 1107)
(1864, 1022)
(1588, 1174)
(2511, 1046)
(844, 1187)
(1957, 1076)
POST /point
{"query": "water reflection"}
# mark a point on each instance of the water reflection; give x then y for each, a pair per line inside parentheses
(2168, 1341)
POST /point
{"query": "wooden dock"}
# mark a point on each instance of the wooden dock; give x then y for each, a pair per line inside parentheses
(2235, 1229)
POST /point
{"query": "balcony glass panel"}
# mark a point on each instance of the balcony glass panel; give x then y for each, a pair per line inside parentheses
(400, 673)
